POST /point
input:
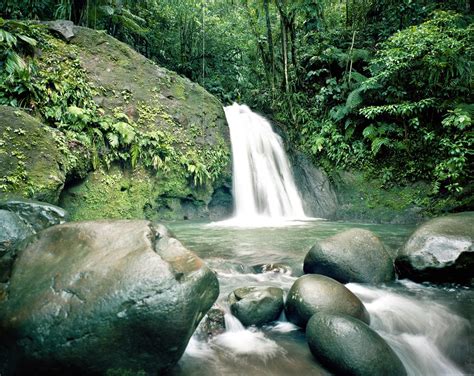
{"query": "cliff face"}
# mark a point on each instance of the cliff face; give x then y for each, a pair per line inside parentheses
(172, 111)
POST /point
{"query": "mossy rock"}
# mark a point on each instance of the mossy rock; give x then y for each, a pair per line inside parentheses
(134, 194)
(156, 99)
(153, 96)
(31, 163)
(362, 198)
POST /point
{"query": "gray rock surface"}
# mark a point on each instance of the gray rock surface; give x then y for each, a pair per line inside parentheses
(13, 232)
(355, 255)
(440, 250)
(39, 215)
(62, 27)
(89, 296)
(347, 346)
(317, 192)
(314, 293)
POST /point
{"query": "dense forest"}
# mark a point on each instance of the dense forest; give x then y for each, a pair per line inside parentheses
(381, 86)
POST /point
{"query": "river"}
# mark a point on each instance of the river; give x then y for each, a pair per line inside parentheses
(430, 327)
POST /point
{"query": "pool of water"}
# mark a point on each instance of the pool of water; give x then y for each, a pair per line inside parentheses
(430, 327)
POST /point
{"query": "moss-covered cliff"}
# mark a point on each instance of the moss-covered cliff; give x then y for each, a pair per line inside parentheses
(121, 136)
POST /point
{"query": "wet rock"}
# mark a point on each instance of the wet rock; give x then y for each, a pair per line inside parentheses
(347, 346)
(313, 293)
(39, 215)
(355, 255)
(63, 27)
(317, 192)
(13, 233)
(440, 250)
(272, 268)
(89, 296)
(212, 324)
(256, 305)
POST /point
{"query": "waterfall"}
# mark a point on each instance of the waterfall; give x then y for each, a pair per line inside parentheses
(263, 186)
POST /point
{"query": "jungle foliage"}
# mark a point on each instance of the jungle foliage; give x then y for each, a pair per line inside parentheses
(379, 85)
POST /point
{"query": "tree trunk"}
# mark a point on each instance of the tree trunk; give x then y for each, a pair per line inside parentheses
(261, 49)
(271, 51)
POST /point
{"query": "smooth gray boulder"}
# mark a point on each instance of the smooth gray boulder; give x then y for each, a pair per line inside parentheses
(347, 346)
(440, 250)
(256, 305)
(39, 215)
(64, 28)
(355, 255)
(313, 293)
(89, 296)
(13, 233)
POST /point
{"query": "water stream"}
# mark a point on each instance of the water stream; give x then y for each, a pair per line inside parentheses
(430, 327)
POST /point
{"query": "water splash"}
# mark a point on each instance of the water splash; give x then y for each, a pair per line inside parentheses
(265, 193)
(418, 330)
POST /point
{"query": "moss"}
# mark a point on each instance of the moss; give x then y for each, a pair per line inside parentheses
(364, 198)
(110, 194)
(31, 164)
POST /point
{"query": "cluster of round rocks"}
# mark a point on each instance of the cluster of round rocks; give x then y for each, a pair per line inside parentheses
(335, 320)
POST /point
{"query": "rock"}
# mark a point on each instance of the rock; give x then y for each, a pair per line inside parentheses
(355, 255)
(13, 232)
(272, 268)
(157, 100)
(317, 192)
(89, 296)
(212, 324)
(62, 27)
(347, 346)
(39, 215)
(31, 165)
(256, 305)
(440, 250)
(314, 293)
(366, 199)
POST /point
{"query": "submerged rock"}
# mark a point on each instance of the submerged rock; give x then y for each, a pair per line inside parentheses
(440, 250)
(355, 255)
(347, 346)
(314, 293)
(256, 305)
(89, 296)
(39, 215)
(272, 268)
(212, 324)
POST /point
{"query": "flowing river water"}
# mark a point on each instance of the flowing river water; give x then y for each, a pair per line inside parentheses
(430, 327)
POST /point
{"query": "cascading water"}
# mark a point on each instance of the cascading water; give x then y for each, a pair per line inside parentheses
(264, 187)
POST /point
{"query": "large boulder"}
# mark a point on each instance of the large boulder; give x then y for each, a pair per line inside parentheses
(347, 346)
(440, 250)
(39, 215)
(256, 305)
(13, 232)
(355, 255)
(89, 296)
(161, 101)
(312, 294)
(31, 164)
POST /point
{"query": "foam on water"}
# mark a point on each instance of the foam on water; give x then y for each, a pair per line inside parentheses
(418, 330)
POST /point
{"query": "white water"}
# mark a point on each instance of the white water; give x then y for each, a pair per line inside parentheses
(419, 331)
(264, 190)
